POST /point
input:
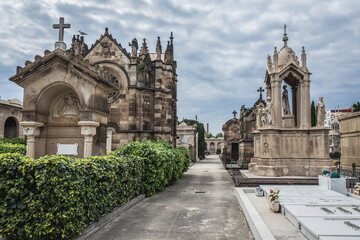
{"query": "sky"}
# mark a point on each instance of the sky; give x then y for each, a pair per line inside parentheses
(221, 47)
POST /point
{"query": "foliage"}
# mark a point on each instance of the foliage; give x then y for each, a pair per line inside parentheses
(313, 114)
(140, 66)
(12, 148)
(56, 197)
(209, 135)
(13, 140)
(357, 188)
(201, 140)
(164, 164)
(356, 107)
(335, 175)
(274, 195)
(218, 151)
(219, 135)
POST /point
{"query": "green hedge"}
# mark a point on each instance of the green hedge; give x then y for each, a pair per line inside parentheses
(12, 148)
(164, 164)
(56, 197)
(13, 140)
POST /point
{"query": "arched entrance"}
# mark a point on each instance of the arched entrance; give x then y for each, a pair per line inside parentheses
(11, 128)
(212, 147)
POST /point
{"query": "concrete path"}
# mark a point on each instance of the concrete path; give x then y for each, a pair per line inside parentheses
(201, 205)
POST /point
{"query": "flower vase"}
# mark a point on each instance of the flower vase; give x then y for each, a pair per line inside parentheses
(275, 206)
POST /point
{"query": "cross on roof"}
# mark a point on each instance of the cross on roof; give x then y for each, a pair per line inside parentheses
(234, 112)
(261, 90)
(61, 27)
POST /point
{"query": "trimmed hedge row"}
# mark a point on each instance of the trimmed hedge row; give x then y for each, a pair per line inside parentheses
(13, 140)
(56, 197)
(12, 148)
(164, 163)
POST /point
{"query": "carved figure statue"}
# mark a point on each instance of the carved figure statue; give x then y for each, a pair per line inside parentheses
(258, 116)
(285, 101)
(320, 113)
(263, 117)
(134, 47)
(269, 111)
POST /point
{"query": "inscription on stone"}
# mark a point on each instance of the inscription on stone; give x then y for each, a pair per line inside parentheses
(67, 149)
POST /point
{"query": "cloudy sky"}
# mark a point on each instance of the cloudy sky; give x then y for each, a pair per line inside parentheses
(220, 46)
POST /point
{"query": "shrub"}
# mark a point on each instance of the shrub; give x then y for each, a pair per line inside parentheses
(335, 175)
(13, 140)
(12, 148)
(163, 163)
(56, 197)
(218, 151)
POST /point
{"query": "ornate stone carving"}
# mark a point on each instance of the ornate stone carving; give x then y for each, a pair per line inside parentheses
(134, 47)
(67, 106)
(269, 111)
(105, 50)
(234, 129)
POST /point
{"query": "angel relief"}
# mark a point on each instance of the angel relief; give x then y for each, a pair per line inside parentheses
(67, 106)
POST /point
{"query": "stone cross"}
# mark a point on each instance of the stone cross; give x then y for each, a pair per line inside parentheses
(61, 27)
(261, 90)
(234, 112)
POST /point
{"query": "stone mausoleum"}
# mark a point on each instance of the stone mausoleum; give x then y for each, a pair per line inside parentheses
(285, 144)
(86, 101)
(10, 117)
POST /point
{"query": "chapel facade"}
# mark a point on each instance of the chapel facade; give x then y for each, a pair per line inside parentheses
(87, 101)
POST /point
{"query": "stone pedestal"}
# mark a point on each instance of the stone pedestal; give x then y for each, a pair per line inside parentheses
(88, 130)
(246, 151)
(288, 121)
(31, 130)
(60, 45)
(291, 152)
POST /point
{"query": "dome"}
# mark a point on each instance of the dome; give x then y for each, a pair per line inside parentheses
(287, 56)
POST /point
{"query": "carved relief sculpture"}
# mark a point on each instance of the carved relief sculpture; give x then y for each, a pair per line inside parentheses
(320, 113)
(285, 101)
(269, 111)
(67, 106)
(105, 51)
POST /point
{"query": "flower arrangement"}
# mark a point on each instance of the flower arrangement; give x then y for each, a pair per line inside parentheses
(274, 195)
(259, 189)
(357, 188)
(326, 173)
(259, 192)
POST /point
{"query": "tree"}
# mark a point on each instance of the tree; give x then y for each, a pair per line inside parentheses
(219, 135)
(209, 135)
(313, 114)
(356, 107)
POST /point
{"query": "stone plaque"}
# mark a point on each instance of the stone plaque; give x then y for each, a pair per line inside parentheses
(67, 149)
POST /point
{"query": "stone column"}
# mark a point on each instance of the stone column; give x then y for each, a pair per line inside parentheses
(305, 103)
(31, 130)
(109, 133)
(276, 101)
(88, 130)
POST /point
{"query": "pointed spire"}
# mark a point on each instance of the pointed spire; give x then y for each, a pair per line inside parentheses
(269, 63)
(276, 63)
(158, 49)
(303, 59)
(106, 31)
(144, 49)
(285, 38)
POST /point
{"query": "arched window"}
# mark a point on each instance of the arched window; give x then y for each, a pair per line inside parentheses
(10, 128)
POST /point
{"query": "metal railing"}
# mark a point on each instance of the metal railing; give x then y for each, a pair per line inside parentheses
(352, 176)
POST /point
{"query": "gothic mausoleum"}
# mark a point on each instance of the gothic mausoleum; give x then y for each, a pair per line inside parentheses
(86, 101)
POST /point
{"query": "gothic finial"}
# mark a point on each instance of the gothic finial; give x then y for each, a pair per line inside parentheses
(285, 38)
(171, 38)
(158, 49)
(144, 50)
(106, 30)
(275, 51)
(303, 59)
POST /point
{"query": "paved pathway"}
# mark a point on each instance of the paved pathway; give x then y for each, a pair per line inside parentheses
(201, 205)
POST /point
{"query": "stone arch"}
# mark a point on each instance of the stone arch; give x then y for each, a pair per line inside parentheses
(212, 147)
(11, 128)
